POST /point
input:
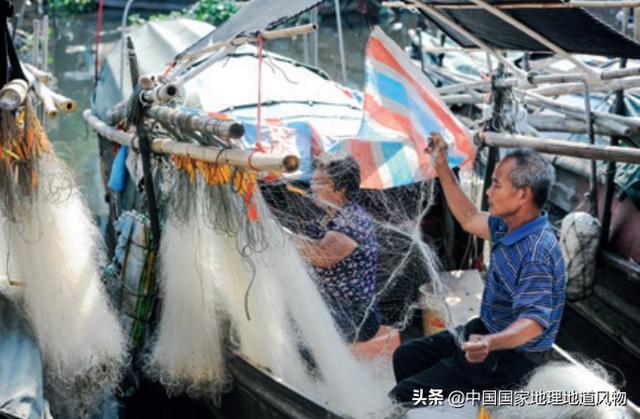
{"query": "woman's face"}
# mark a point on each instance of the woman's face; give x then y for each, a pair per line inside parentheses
(323, 191)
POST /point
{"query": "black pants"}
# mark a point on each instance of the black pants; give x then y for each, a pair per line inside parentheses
(436, 362)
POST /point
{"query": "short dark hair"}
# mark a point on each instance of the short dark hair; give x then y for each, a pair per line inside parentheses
(343, 171)
(534, 171)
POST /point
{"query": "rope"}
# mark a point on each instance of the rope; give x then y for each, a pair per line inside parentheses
(98, 30)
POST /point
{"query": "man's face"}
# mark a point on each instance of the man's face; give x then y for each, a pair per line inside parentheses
(504, 199)
(323, 190)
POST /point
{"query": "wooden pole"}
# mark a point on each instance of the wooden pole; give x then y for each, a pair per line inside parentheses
(563, 147)
(240, 158)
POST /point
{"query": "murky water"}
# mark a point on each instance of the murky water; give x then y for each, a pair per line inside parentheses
(71, 49)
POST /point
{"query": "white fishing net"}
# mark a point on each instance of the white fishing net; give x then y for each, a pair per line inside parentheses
(53, 254)
(579, 239)
(233, 279)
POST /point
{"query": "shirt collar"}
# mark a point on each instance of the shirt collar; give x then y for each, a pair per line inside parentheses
(524, 230)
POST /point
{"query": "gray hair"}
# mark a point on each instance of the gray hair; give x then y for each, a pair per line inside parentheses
(534, 171)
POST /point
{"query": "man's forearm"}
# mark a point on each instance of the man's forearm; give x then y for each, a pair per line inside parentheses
(460, 205)
(517, 333)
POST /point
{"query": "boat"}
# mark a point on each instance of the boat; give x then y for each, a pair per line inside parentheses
(313, 99)
(606, 307)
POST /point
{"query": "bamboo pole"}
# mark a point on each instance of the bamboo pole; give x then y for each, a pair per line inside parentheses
(604, 122)
(240, 158)
(562, 124)
(267, 35)
(465, 99)
(222, 128)
(63, 103)
(442, 17)
(566, 84)
(45, 42)
(577, 112)
(343, 64)
(159, 94)
(13, 94)
(44, 94)
(465, 87)
(562, 147)
(535, 80)
(570, 88)
(147, 82)
(35, 52)
(43, 77)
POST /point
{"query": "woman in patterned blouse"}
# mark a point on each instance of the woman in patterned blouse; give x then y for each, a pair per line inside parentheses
(341, 246)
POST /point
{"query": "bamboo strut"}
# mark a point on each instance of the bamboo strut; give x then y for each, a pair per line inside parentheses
(563, 147)
(219, 127)
(267, 35)
(608, 81)
(604, 122)
(240, 158)
(439, 16)
(471, 98)
(569, 88)
(562, 124)
(578, 112)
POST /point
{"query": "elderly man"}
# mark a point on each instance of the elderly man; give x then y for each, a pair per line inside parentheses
(524, 293)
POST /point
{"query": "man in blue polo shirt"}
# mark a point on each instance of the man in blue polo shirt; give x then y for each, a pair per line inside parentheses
(524, 293)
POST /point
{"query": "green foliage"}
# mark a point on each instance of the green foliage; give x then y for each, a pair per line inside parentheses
(215, 12)
(71, 6)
